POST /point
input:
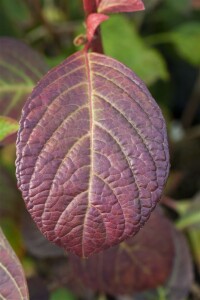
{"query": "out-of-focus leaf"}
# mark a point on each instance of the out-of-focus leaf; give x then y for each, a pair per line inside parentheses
(35, 241)
(16, 10)
(9, 195)
(8, 126)
(181, 277)
(20, 70)
(12, 280)
(116, 6)
(191, 217)
(92, 153)
(13, 235)
(138, 264)
(190, 221)
(180, 281)
(126, 45)
(63, 294)
(186, 40)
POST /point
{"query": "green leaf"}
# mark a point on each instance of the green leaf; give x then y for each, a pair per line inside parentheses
(186, 40)
(126, 45)
(16, 10)
(8, 126)
(191, 218)
(188, 220)
(63, 294)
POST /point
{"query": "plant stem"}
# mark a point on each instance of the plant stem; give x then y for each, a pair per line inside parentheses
(90, 6)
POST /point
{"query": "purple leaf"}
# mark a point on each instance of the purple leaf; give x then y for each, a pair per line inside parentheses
(12, 280)
(92, 153)
(140, 263)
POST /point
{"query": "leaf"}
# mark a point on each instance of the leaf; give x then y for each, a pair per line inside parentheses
(140, 263)
(116, 6)
(93, 21)
(20, 70)
(8, 126)
(190, 221)
(186, 40)
(92, 153)
(181, 279)
(12, 280)
(132, 51)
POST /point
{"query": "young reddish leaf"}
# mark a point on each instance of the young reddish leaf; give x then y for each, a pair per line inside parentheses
(93, 21)
(92, 153)
(140, 263)
(116, 6)
(12, 280)
(20, 70)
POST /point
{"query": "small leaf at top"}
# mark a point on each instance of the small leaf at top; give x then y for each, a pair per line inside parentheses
(92, 153)
(8, 126)
(116, 6)
(12, 281)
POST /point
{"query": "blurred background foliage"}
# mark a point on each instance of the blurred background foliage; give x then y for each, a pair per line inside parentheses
(162, 46)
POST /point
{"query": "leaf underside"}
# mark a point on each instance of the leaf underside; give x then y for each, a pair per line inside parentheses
(12, 280)
(92, 153)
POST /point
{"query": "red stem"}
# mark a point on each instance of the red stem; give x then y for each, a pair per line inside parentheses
(90, 6)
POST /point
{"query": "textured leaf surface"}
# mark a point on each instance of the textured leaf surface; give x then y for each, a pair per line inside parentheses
(8, 126)
(92, 153)
(20, 70)
(116, 6)
(140, 263)
(12, 280)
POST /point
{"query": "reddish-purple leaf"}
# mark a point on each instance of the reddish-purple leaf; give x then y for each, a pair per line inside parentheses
(92, 22)
(140, 263)
(12, 280)
(116, 6)
(20, 70)
(92, 153)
